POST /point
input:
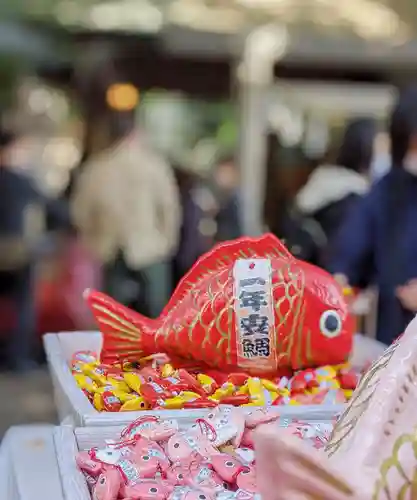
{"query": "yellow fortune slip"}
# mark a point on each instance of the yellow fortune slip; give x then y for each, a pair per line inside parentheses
(175, 403)
(326, 372)
(189, 396)
(256, 389)
(119, 385)
(136, 404)
(293, 402)
(227, 389)
(95, 373)
(167, 370)
(124, 396)
(85, 382)
(98, 402)
(265, 398)
(243, 390)
(133, 381)
(269, 385)
(348, 393)
(206, 382)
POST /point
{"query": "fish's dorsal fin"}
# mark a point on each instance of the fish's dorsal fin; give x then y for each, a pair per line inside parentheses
(222, 255)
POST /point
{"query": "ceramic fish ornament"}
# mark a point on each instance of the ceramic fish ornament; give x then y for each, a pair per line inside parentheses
(246, 306)
(373, 452)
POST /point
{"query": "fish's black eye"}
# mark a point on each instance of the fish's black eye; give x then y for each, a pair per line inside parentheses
(153, 490)
(229, 464)
(176, 445)
(145, 457)
(330, 324)
(102, 480)
(202, 497)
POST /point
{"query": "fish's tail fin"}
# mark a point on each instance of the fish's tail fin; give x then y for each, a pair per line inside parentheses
(126, 333)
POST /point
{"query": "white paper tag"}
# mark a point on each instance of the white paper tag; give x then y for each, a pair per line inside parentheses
(254, 308)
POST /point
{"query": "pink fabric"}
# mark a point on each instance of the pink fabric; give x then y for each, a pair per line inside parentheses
(60, 297)
(287, 469)
(81, 271)
(373, 450)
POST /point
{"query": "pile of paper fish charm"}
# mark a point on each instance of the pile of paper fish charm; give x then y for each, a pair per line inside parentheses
(213, 459)
(154, 384)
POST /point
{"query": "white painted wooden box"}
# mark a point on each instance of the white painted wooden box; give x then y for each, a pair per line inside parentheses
(75, 408)
(69, 440)
(28, 464)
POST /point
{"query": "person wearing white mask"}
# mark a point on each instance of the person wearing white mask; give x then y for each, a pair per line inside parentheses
(381, 162)
(330, 193)
(377, 244)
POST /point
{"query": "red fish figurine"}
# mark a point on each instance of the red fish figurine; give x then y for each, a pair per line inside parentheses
(248, 306)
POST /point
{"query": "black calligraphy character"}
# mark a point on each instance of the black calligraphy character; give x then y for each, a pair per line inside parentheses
(255, 324)
(262, 347)
(254, 300)
(252, 281)
(249, 348)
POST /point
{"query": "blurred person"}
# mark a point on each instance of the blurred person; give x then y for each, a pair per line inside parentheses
(381, 162)
(377, 244)
(23, 214)
(193, 241)
(126, 208)
(330, 193)
(225, 185)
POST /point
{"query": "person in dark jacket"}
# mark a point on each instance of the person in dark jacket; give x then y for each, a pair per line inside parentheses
(331, 191)
(377, 244)
(20, 225)
(226, 181)
(23, 215)
(193, 240)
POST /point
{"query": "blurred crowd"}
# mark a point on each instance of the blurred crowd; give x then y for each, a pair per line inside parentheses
(132, 222)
